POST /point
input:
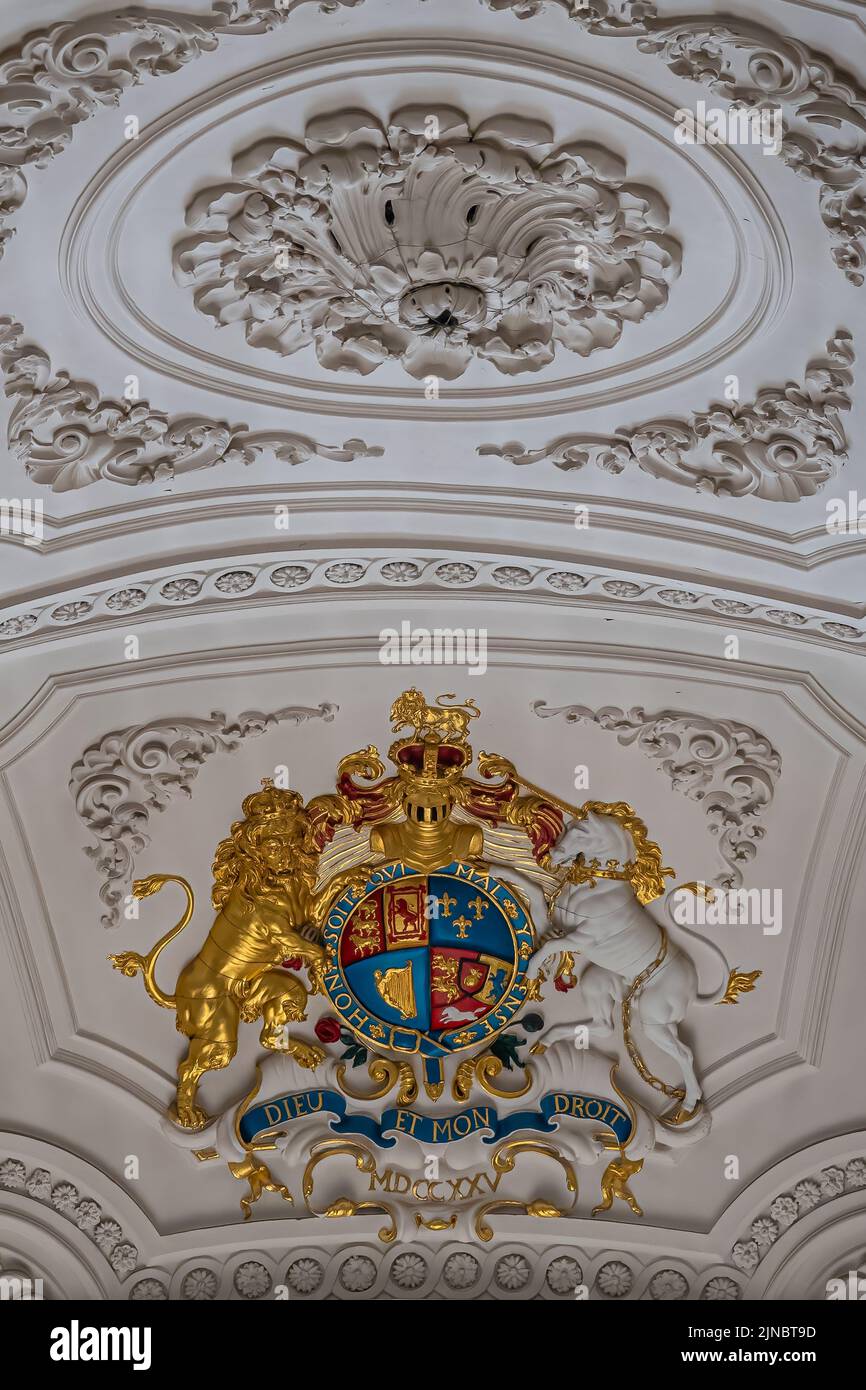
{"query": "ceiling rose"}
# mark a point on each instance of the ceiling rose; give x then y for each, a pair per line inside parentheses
(426, 242)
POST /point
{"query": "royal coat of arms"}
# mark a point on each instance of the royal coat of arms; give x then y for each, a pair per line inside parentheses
(442, 922)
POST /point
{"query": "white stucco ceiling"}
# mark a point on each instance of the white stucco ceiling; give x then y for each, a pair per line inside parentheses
(706, 519)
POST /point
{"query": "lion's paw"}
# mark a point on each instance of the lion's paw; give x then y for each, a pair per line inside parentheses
(127, 962)
(191, 1116)
(307, 1055)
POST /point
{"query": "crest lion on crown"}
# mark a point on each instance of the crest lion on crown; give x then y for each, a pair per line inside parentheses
(439, 723)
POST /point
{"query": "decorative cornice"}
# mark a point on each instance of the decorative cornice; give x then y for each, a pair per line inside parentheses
(68, 436)
(730, 768)
(670, 520)
(40, 1186)
(754, 66)
(308, 576)
(421, 1271)
(782, 447)
(359, 1269)
(131, 772)
(529, 247)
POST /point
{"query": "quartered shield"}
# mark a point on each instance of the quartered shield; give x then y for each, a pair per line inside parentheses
(428, 962)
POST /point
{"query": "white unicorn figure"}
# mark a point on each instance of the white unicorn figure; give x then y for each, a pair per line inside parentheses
(607, 924)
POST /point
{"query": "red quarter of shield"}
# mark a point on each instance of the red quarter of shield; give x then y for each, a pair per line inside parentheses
(473, 976)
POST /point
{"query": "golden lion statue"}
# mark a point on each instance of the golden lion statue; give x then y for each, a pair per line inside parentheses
(264, 876)
(438, 721)
(614, 1183)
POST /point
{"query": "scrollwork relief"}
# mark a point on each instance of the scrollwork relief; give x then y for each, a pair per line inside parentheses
(783, 446)
(59, 78)
(754, 66)
(62, 77)
(132, 772)
(730, 768)
(67, 435)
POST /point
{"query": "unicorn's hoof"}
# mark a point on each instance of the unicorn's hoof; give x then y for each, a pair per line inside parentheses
(682, 1114)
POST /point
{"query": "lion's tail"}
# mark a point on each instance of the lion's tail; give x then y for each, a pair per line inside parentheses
(469, 705)
(130, 962)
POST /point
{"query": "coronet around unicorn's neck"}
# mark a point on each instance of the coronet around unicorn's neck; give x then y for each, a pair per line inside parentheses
(644, 877)
(591, 871)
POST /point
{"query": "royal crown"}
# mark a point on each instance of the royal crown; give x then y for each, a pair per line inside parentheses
(272, 803)
(432, 759)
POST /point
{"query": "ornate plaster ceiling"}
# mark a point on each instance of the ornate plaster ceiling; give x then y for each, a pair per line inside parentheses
(317, 320)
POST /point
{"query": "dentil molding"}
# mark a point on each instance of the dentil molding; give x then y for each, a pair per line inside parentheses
(131, 772)
(783, 446)
(428, 241)
(730, 768)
